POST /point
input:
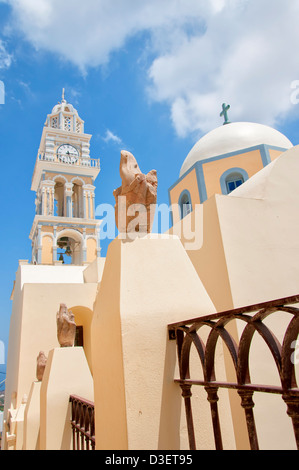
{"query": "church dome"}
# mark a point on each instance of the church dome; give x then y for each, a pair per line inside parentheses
(232, 138)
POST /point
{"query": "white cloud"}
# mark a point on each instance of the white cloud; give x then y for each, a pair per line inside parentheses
(5, 57)
(110, 137)
(247, 57)
(202, 52)
(87, 32)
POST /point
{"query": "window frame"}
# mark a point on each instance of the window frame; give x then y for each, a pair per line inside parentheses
(230, 175)
(185, 194)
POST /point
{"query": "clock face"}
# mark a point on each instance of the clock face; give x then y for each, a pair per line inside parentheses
(67, 153)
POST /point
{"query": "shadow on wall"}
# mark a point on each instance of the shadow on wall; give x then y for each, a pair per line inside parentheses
(83, 318)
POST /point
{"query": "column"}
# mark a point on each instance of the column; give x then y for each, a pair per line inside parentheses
(84, 204)
(88, 203)
(55, 244)
(93, 205)
(84, 248)
(43, 193)
(39, 244)
(47, 197)
(51, 197)
(68, 188)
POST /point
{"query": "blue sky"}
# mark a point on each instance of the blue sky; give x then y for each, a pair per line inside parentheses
(148, 76)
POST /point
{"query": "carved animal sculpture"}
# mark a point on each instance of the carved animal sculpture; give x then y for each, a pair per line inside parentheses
(41, 363)
(66, 327)
(137, 194)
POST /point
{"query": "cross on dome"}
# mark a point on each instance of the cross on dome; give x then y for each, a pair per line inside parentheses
(225, 108)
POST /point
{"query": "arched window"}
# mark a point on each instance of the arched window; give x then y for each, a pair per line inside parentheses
(232, 179)
(185, 204)
(233, 182)
(70, 247)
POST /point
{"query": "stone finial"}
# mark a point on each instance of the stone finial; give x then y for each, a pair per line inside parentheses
(140, 191)
(66, 327)
(40, 365)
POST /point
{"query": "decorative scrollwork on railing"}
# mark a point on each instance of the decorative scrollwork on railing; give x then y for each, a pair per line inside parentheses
(187, 335)
(82, 422)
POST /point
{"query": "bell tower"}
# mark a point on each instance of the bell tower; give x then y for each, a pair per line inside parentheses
(64, 229)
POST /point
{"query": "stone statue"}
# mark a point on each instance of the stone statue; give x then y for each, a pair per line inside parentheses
(139, 193)
(40, 365)
(66, 327)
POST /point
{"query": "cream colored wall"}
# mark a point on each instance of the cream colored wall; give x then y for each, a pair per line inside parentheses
(262, 259)
(94, 271)
(14, 347)
(146, 284)
(260, 225)
(34, 310)
(251, 162)
(213, 274)
(32, 419)
(250, 254)
(66, 373)
(210, 263)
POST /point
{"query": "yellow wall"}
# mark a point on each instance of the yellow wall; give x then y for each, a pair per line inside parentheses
(50, 175)
(274, 154)
(47, 250)
(251, 162)
(190, 183)
(91, 251)
(47, 229)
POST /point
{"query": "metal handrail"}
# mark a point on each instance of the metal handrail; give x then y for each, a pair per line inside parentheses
(82, 423)
(187, 334)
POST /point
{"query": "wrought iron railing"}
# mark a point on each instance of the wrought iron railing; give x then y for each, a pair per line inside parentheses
(82, 422)
(187, 333)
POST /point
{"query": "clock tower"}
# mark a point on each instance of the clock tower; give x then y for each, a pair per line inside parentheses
(65, 230)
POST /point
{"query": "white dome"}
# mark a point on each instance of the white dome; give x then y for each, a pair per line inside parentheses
(231, 138)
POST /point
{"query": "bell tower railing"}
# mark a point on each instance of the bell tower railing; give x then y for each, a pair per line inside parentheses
(188, 333)
(80, 161)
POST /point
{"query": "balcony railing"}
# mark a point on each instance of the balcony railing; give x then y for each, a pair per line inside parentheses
(188, 333)
(70, 160)
(82, 422)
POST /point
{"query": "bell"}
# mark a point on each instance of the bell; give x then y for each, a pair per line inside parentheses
(68, 251)
(61, 257)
